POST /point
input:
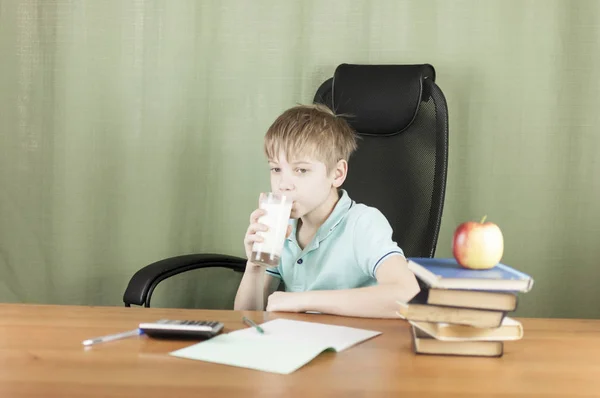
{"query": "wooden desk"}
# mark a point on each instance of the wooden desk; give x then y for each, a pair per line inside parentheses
(41, 356)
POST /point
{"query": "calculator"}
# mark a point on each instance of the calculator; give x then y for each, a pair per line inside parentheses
(181, 329)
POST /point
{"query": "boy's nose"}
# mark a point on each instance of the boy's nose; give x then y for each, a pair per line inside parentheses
(285, 185)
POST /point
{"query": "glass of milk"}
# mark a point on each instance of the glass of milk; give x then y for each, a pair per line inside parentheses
(278, 209)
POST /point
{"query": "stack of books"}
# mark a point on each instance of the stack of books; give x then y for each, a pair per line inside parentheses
(461, 311)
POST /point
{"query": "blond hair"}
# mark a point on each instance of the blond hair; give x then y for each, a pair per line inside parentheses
(310, 130)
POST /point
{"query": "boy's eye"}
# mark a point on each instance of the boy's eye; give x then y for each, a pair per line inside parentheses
(275, 169)
(301, 171)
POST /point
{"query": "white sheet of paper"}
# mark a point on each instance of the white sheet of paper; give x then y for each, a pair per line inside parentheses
(336, 337)
(285, 346)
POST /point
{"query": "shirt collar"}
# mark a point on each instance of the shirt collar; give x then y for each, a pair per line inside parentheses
(339, 212)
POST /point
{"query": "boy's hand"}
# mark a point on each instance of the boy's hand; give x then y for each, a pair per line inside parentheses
(285, 302)
(251, 232)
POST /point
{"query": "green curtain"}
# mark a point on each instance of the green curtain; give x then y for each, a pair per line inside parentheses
(131, 131)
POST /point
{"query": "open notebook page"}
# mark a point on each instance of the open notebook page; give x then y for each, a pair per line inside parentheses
(285, 346)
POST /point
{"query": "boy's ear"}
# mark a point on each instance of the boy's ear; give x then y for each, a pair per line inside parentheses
(339, 173)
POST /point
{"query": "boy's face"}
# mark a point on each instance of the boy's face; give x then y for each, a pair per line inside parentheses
(305, 180)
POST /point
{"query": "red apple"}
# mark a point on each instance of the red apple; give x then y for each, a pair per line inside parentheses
(478, 245)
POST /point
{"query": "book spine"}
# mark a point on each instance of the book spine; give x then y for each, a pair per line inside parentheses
(424, 296)
(501, 353)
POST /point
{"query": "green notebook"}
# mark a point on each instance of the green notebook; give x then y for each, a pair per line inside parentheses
(285, 346)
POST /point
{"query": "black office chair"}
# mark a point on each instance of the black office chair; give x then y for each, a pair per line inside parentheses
(399, 167)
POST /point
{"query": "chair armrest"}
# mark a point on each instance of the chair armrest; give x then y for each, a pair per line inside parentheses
(142, 283)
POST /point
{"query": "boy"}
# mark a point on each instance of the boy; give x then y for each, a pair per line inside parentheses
(338, 257)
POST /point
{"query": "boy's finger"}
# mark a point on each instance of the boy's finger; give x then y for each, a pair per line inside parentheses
(253, 228)
(289, 231)
(253, 238)
(256, 214)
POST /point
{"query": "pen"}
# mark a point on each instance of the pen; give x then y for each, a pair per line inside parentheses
(112, 337)
(250, 323)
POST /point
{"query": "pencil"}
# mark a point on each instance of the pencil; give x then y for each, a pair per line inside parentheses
(252, 324)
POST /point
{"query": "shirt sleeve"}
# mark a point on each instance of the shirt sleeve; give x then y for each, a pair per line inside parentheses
(275, 271)
(373, 241)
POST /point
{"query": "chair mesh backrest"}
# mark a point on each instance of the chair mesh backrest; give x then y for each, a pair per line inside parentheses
(402, 173)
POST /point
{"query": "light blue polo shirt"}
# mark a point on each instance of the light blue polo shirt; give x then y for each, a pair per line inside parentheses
(344, 253)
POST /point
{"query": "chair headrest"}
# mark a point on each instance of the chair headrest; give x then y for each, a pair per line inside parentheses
(379, 99)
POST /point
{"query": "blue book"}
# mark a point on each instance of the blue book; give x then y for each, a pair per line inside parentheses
(446, 273)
